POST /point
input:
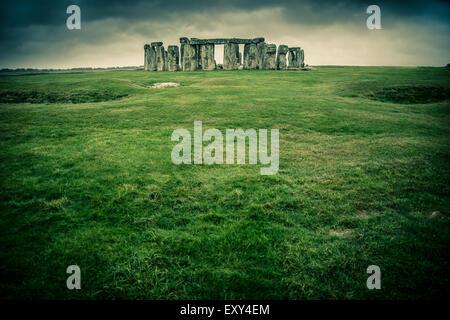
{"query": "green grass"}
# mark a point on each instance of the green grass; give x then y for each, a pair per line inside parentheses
(87, 179)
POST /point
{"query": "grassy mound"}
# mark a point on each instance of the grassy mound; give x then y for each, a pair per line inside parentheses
(402, 94)
(76, 96)
(411, 94)
(56, 88)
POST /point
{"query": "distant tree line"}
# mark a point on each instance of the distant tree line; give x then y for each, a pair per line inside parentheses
(71, 69)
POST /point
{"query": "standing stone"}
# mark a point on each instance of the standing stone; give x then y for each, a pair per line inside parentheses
(270, 54)
(150, 58)
(160, 56)
(166, 60)
(190, 59)
(291, 59)
(173, 58)
(261, 47)
(146, 54)
(207, 61)
(281, 57)
(302, 58)
(181, 55)
(250, 56)
(197, 54)
(183, 41)
(231, 56)
(294, 58)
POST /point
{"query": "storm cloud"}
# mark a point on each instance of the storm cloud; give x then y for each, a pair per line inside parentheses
(113, 33)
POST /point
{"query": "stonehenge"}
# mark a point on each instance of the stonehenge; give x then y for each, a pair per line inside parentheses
(198, 54)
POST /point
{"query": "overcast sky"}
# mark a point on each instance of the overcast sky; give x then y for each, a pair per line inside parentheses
(113, 33)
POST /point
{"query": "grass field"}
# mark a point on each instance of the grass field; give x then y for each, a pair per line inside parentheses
(87, 179)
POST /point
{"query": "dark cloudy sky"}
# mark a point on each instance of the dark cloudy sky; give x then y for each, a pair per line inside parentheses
(34, 34)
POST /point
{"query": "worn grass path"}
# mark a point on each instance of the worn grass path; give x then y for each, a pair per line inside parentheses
(86, 178)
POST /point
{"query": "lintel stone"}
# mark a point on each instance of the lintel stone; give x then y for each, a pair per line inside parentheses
(196, 41)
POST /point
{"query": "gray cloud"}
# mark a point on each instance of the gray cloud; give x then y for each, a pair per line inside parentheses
(114, 32)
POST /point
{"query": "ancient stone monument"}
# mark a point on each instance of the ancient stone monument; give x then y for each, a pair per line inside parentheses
(198, 54)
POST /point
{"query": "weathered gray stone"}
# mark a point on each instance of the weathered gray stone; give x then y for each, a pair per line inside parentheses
(302, 58)
(270, 54)
(190, 59)
(160, 58)
(261, 48)
(294, 58)
(181, 55)
(184, 40)
(146, 46)
(166, 60)
(207, 61)
(156, 44)
(231, 56)
(173, 58)
(250, 56)
(281, 57)
(257, 40)
(220, 41)
(197, 54)
(149, 58)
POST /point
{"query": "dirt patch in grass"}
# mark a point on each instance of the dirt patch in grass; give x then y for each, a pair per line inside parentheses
(437, 215)
(55, 204)
(341, 233)
(161, 85)
(366, 214)
(77, 96)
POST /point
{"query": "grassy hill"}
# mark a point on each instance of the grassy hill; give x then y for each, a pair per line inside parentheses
(87, 179)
